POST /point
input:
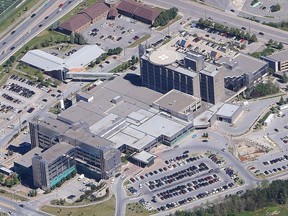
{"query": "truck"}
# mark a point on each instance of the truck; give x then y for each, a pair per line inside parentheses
(80, 177)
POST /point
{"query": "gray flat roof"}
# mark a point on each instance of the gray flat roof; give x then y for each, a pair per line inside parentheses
(26, 159)
(105, 123)
(144, 156)
(158, 125)
(53, 124)
(55, 151)
(248, 64)
(79, 113)
(176, 100)
(210, 70)
(83, 135)
(228, 110)
(203, 119)
(280, 56)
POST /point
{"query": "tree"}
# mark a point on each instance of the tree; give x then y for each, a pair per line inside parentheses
(275, 8)
(270, 42)
(165, 17)
(285, 78)
(281, 101)
(72, 38)
(26, 48)
(253, 38)
(280, 46)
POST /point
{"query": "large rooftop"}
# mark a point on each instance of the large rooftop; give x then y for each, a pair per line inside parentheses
(163, 57)
(176, 101)
(279, 56)
(248, 64)
(48, 62)
(26, 159)
(228, 110)
(56, 151)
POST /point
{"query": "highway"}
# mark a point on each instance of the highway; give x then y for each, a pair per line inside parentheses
(32, 26)
(196, 10)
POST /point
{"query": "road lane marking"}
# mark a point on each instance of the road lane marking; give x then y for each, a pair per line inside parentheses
(7, 206)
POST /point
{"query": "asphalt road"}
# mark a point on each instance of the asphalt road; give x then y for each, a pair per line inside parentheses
(195, 10)
(30, 27)
(7, 205)
(215, 143)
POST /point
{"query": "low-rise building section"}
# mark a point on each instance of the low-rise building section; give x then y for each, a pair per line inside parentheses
(109, 9)
(60, 68)
(278, 62)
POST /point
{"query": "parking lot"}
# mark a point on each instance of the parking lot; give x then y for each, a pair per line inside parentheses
(120, 32)
(18, 96)
(182, 179)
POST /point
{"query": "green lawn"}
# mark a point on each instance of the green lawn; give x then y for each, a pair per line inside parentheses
(103, 209)
(133, 209)
(12, 196)
(15, 15)
(178, 17)
(269, 211)
(52, 36)
(139, 41)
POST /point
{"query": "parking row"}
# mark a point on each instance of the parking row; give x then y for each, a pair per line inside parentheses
(275, 160)
(196, 197)
(10, 98)
(274, 170)
(20, 90)
(216, 159)
(29, 82)
(177, 176)
(189, 187)
(5, 108)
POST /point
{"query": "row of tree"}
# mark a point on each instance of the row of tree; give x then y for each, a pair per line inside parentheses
(230, 31)
(165, 16)
(265, 52)
(275, 44)
(263, 89)
(104, 56)
(260, 197)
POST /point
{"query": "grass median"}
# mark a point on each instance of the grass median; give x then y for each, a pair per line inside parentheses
(139, 41)
(14, 17)
(106, 208)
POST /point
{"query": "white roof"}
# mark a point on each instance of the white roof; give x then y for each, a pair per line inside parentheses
(48, 62)
(84, 56)
(228, 110)
(42, 60)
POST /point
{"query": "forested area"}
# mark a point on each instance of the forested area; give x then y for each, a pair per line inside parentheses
(260, 197)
